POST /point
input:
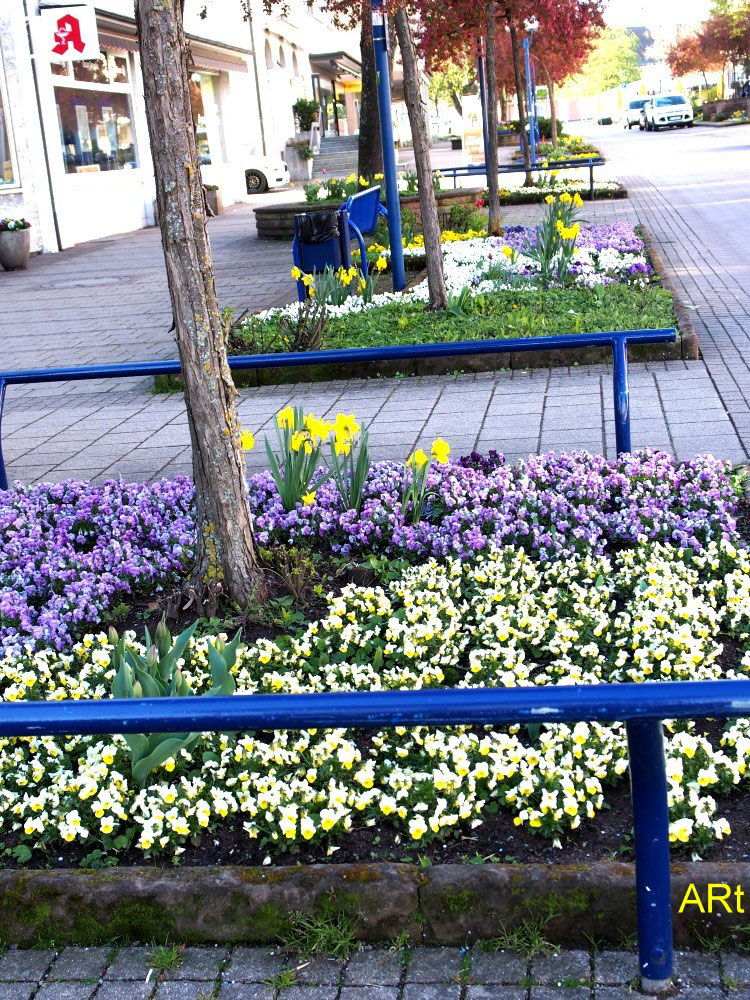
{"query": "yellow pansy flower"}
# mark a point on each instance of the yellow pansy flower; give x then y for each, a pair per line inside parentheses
(381, 264)
(308, 498)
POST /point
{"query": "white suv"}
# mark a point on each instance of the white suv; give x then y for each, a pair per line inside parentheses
(632, 114)
(666, 111)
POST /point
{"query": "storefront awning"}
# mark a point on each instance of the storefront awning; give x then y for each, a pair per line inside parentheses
(112, 42)
(203, 58)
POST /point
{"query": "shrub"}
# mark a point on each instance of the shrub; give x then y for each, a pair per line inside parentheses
(305, 111)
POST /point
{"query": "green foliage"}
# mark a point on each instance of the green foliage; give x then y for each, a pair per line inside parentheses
(615, 60)
(166, 958)
(462, 218)
(349, 466)
(330, 933)
(305, 111)
(157, 675)
(522, 312)
(448, 84)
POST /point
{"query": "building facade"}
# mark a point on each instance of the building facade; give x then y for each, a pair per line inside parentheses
(74, 147)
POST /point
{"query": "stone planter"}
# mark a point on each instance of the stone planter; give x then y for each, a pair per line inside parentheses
(14, 249)
(214, 201)
(299, 169)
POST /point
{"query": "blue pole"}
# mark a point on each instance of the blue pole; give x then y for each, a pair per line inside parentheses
(621, 394)
(532, 124)
(483, 100)
(380, 43)
(648, 782)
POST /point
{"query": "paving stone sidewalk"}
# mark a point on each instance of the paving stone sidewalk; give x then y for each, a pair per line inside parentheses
(240, 973)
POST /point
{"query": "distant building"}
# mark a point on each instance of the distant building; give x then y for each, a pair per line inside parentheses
(75, 155)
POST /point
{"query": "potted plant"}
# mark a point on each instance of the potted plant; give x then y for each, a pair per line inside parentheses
(299, 157)
(306, 112)
(213, 198)
(15, 244)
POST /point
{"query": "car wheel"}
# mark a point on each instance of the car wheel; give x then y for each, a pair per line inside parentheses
(690, 124)
(255, 182)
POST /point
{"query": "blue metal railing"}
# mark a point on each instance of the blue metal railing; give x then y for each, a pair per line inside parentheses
(480, 169)
(618, 342)
(640, 706)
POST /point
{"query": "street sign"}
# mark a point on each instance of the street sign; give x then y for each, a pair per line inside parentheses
(69, 33)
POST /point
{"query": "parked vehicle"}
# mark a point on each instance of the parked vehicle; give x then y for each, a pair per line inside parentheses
(632, 114)
(263, 173)
(666, 111)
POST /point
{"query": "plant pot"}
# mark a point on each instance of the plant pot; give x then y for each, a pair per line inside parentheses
(14, 249)
(456, 143)
(214, 201)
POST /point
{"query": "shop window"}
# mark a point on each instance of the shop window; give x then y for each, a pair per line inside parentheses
(95, 115)
(8, 172)
(204, 92)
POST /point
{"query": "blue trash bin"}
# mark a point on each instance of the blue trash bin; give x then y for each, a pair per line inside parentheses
(321, 240)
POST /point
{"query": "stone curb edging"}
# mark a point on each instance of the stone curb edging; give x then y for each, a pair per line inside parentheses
(688, 341)
(442, 904)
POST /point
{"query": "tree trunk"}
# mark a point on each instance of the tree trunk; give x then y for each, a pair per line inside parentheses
(529, 182)
(504, 104)
(420, 133)
(226, 559)
(456, 101)
(493, 184)
(552, 105)
(370, 143)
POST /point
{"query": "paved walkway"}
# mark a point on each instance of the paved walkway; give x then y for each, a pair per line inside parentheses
(108, 299)
(422, 974)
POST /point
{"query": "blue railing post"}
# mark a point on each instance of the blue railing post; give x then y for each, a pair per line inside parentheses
(621, 394)
(380, 44)
(648, 780)
(3, 474)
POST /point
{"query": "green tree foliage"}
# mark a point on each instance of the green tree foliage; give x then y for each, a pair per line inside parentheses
(448, 85)
(614, 61)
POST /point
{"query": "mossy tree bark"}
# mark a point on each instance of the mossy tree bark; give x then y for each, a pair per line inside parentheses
(226, 558)
(420, 133)
(493, 182)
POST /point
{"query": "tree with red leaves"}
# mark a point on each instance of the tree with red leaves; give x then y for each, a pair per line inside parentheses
(691, 54)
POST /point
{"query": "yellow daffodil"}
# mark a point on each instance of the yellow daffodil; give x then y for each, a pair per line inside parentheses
(565, 198)
(418, 459)
(296, 273)
(363, 180)
(441, 450)
(301, 440)
(508, 252)
(378, 177)
(549, 199)
(308, 498)
(577, 200)
(319, 429)
(380, 264)
(351, 179)
(346, 424)
(285, 418)
(247, 440)
(342, 444)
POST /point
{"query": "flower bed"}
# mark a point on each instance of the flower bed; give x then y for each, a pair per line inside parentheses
(558, 570)
(497, 291)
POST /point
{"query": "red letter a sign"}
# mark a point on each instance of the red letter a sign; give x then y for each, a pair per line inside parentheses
(68, 33)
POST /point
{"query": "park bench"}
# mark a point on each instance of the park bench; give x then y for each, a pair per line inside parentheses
(641, 706)
(617, 341)
(480, 169)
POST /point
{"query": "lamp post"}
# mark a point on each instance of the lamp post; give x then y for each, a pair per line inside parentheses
(380, 45)
(483, 97)
(531, 27)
